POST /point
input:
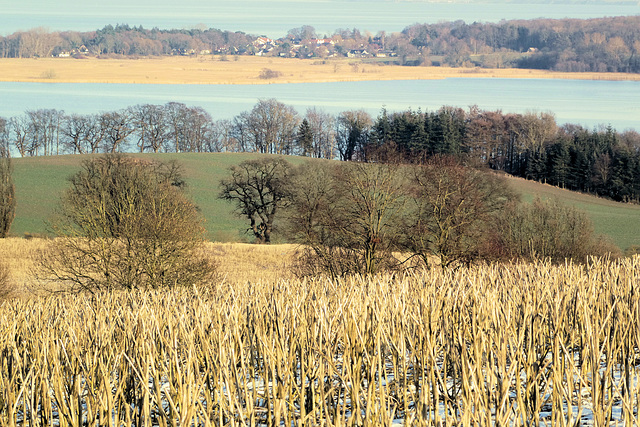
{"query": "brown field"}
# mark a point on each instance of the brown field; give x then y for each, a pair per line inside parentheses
(237, 262)
(515, 344)
(247, 69)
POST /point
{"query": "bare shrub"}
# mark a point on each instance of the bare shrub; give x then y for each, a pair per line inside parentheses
(548, 229)
(268, 73)
(452, 212)
(124, 224)
(346, 215)
(49, 74)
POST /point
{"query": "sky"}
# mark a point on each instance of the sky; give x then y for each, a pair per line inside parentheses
(275, 17)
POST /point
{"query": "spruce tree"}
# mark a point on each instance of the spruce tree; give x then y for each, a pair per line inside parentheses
(305, 138)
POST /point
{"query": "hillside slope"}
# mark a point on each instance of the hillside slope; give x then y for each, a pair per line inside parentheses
(40, 181)
(619, 221)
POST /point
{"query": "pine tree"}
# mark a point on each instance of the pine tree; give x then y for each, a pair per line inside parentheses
(305, 138)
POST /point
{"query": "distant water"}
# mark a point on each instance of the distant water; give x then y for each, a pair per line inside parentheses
(275, 17)
(584, 102)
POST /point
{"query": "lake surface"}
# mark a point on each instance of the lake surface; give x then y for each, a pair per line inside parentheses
(585, 102)
(274, 18)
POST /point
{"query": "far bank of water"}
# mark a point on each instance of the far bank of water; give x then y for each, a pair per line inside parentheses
(584, 102)
(276, 17)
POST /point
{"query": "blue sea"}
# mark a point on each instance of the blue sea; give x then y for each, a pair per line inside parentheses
(584, 102)
(589, 103)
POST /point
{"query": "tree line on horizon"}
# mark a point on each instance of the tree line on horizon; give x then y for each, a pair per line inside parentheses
(532, 145)
(594, 45)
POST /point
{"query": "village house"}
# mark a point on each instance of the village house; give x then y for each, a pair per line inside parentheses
(385, 54)
(358, 53)
(320, 42)
(263, 41)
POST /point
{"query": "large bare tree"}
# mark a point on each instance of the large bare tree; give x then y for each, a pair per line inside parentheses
(270, 127)
(116, 128)
(322, 125)
(452, 212)
(258, 189)
(151, 127)
(352, 134)
(126, 223)
(81, 133)
(7, 188)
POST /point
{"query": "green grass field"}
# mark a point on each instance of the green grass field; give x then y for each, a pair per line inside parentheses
(619, 221)
(40, 181)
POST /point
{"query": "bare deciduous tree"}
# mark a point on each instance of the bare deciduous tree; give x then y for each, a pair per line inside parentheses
(38, 42)
(352, 134)
(323, 131)
(347, 216)
(150, 127)
(221, 139)
(7, 190)
(270, 127)
(259, 189)
(124, 224)
(20, 129)
(44, 131)
(453, 212)
(116, 127)
(536, 131)
(81, 133)
(197, 131)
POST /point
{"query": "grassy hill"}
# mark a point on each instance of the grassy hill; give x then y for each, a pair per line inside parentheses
(619, 221)
(40, 180)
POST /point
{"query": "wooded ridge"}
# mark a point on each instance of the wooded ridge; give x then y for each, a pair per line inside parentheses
(532, 145)
(592, 45)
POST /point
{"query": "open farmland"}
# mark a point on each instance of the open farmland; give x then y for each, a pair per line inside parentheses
(248, 69)
(237, 263)
(488, 345)
(40, 180)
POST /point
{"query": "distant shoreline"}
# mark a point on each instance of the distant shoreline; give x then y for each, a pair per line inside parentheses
(252, 70)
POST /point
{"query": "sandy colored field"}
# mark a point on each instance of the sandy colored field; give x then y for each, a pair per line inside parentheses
(237, 262)
(246, 70)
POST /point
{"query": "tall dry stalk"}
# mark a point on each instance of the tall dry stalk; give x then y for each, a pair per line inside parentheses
(488, 345)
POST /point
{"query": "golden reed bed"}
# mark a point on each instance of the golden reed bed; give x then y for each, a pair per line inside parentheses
(247, 70)
(490, 345)
(237, 262)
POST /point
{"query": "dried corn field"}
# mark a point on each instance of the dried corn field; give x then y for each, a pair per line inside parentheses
(489, 345)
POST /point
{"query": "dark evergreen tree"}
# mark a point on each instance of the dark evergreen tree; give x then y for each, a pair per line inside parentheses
(447, 131)
(419, 137)
(622, 175)
(559, 161)
(304, 138)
